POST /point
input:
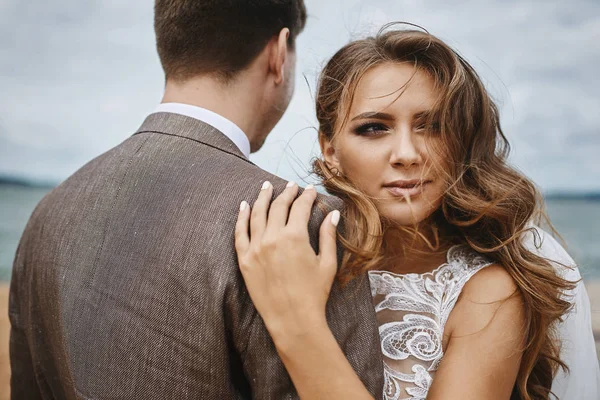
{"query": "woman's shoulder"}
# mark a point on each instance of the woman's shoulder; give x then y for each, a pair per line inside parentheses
(490, 284)
(489, 293)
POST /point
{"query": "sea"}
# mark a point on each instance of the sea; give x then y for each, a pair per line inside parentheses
(577, 220)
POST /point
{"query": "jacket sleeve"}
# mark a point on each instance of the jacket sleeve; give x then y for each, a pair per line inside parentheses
(23, 384)
(23, 381)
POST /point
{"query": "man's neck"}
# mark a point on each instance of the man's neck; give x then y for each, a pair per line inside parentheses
(237, 102)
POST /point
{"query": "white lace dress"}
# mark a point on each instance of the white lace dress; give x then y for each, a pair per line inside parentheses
(412, 311)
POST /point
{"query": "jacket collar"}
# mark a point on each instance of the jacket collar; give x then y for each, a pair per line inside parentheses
(190, 128)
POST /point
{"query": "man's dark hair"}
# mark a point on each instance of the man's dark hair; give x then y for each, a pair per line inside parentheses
(220, 37)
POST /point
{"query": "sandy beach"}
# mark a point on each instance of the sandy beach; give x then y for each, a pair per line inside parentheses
(593, 289)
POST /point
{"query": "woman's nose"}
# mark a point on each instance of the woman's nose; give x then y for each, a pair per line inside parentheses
(405, 152)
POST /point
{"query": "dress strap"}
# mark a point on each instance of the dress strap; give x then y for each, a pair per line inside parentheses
(463, 263)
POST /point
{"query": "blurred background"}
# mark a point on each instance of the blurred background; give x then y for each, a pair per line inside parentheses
(77, 77)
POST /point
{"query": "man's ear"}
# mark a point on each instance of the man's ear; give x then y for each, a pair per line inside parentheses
(279, 55)
(329, 153)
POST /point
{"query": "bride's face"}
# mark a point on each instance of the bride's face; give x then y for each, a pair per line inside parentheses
(385, 148)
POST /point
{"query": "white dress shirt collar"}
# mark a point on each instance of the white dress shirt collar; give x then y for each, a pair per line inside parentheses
(220, 123)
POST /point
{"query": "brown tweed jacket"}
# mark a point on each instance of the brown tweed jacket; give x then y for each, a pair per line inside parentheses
(125, 284)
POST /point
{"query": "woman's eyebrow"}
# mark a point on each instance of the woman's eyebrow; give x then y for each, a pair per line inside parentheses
(374, 115)
(425, 114)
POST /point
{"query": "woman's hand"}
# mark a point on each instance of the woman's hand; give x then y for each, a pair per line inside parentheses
(289, 285)
(288, 282)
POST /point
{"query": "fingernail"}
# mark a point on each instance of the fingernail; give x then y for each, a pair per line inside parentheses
(309, 187)
(266, 185)
(243, 206)
(335, 218)
(290, 184)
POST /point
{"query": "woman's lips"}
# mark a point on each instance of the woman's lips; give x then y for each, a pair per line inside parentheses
(407, 189)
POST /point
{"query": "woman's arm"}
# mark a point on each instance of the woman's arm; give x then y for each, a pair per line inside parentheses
(319, 368)
(289, 285)
(486, 329)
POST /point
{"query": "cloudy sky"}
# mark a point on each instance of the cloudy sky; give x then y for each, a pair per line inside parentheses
(78, 76)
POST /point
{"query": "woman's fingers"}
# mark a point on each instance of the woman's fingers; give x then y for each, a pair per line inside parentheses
(258, 218)
(242, 241)
(327, 241)
(302, 209)
(281, 271)
(280, 208)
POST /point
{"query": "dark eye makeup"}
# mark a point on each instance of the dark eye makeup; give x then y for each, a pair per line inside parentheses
(370, 129)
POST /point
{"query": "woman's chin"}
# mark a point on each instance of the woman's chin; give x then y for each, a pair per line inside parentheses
(401, 213)
(404, 217)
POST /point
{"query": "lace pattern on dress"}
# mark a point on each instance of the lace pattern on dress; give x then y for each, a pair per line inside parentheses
(412, 311)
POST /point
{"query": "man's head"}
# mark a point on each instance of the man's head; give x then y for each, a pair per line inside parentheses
(225, 39)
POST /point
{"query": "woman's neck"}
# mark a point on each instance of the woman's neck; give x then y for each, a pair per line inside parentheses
(413, 250)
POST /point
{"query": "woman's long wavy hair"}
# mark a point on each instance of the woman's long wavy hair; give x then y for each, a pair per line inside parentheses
(488, 205)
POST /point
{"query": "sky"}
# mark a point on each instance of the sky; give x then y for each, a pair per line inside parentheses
(78, 77)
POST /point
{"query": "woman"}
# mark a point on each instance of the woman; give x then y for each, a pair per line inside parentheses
(412, 142)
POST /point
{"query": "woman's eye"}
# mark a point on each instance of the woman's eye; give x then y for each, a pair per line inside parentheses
(432, 127)
(370, 129)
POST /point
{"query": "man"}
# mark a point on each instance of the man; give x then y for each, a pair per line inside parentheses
(125, 284)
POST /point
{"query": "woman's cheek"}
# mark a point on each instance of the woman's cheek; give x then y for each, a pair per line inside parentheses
(364, 170)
